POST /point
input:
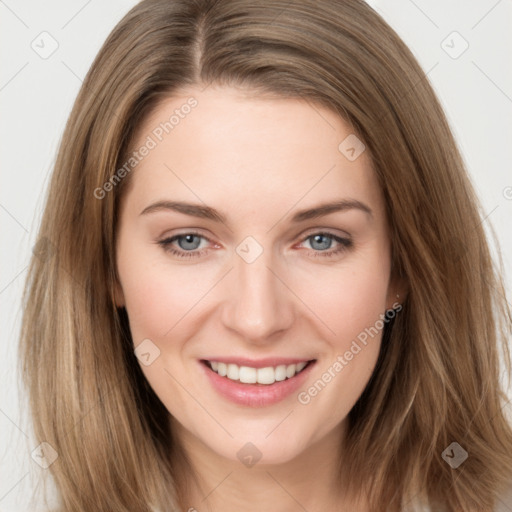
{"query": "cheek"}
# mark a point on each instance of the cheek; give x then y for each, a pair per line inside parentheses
(162, 303)
(350, 303)
(347, 301)
(158, 295)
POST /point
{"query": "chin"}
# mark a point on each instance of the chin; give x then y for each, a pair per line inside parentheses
(260, 450)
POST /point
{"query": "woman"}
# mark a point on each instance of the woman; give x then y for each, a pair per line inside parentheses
(262, 281)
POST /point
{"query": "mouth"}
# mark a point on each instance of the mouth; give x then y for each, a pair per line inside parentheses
(265, 376)
(257, 385)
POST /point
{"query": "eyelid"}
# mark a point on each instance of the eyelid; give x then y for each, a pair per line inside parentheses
(183, 232)
(326, 231)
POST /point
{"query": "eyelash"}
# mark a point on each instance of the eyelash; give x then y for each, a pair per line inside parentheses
(344, 245)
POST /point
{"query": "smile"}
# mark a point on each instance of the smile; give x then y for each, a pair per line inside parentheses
(249, 375)
(260, 385)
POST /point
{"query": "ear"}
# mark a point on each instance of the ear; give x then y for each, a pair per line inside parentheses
(118, 295)
(398, 290)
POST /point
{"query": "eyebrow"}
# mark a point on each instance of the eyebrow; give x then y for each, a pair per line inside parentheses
(207, 212)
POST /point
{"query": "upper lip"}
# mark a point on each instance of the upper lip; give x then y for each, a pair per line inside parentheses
(259, 363)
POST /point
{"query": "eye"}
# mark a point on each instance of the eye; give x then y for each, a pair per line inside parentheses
(322, 242)
(187, 244)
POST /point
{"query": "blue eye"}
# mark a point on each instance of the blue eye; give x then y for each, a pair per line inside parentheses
(189, 242)
(186, 245)
(322, 242)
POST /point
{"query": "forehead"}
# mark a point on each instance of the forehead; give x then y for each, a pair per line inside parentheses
(228, 147)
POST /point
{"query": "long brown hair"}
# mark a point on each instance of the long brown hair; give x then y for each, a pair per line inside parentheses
(437, 378)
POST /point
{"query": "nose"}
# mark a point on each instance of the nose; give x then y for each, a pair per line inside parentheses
(258, 303)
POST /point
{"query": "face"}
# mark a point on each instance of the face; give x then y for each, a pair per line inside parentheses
(250, 239)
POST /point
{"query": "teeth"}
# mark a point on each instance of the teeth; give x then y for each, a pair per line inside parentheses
(266, 375)
(233, 372)
(301, 366)
(248, 375)
(222, 369)
(280, 372)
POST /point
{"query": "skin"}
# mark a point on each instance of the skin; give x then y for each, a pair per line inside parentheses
(258, 161)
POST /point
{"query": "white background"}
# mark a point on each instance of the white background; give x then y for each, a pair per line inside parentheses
(36, 96)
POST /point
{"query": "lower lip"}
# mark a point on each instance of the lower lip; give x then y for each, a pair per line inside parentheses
(256, 395)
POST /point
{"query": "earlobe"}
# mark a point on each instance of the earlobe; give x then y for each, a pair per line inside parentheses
(397, 295)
